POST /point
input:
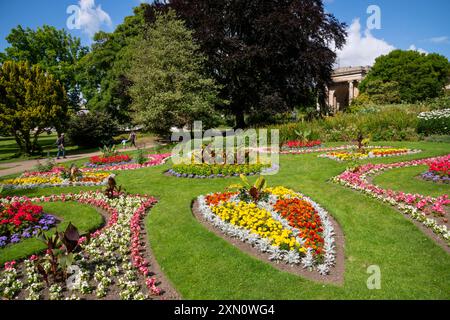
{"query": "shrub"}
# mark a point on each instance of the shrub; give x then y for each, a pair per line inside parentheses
(395, 123)
(94, 129)
(434, 122)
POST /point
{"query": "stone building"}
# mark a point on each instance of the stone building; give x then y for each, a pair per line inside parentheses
(345, 87)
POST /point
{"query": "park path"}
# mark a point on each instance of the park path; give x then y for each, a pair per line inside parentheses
(21, 166)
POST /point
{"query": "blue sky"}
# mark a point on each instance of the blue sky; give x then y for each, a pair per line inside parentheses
(413, 24)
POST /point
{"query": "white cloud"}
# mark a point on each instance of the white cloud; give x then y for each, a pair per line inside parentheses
(361, 49)
(92, 17)
(443, 39)
(414, 48)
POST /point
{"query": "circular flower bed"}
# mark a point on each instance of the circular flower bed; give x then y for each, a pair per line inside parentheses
(208, 171)
(21, 220)
(287, 226)
(110, 264)
(438, 171)
(431, 212)
(373, 153)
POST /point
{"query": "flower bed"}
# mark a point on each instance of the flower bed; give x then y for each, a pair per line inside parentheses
(431, 212)
(100, 160)
(317, 149)
(111, 264)
(297, 144)
(438, 171)
(373, 153)
(55, 178)
(153, 160)
(21, 220)
(286, 225)
(208, 171)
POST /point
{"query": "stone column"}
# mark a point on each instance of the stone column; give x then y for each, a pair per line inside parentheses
(351, 92)
(331, 99)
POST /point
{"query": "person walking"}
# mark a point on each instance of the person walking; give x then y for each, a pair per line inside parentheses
(132, 139)
(60, 142)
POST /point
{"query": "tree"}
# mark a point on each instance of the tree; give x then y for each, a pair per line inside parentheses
(54, 50)
(31, 100)
(269, 55)
(103, 72)
(419, 76)
(169, 88)
(379, 92)
(94, 129)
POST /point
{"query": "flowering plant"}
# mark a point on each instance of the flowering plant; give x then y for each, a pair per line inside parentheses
(114, 254)
(373, 153)
(299, 144)
(119, 158)
(288, 225)
(22, 220)
(419, 207)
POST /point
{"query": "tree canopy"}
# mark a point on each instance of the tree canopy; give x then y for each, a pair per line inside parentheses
(417, 76)
(31, 101)
(54, 50)
(169, 86)
(103, 72)
(269, 56)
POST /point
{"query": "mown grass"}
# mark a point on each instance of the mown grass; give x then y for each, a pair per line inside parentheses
(84, 217)
(408, 180)
(203, 266)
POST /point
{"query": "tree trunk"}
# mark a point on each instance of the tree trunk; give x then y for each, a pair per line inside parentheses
(240, 120)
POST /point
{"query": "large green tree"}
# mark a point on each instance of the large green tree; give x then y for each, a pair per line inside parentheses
(103, 72)
(54, 50)
(417, 76)
(270, 56)
(31, 100)
(169, 86)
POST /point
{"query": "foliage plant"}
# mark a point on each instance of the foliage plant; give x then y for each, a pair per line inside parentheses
(251, 192)
(31, 100)
(169, 85)
(93, 129)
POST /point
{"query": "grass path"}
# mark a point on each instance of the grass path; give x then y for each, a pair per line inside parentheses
(203, 266)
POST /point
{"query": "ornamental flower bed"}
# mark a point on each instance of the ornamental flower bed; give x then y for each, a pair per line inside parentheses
(115, 159)
(373, 153)
(298, 144)
(21, 220)
(153, 160)
(111, 264)
(439, 170)
(55, 178)
(288, 226)
(319, 149)
(208, 171)
(431, 212)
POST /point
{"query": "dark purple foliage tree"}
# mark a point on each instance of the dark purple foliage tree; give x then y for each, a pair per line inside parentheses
(269, 55)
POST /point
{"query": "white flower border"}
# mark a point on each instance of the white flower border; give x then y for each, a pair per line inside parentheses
(263, 244)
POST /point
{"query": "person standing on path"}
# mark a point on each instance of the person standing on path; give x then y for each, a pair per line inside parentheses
(60, 142)
(133, 139)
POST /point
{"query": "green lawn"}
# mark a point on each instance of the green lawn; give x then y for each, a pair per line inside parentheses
(9, 151)
(407, 180)
(84, 217)
(203, 266)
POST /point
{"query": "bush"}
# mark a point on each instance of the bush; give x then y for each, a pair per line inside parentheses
(395, 123)
(434, 122)
(94, 129)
